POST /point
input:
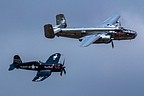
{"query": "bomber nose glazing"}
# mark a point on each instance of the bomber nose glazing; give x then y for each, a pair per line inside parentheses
(134, 34)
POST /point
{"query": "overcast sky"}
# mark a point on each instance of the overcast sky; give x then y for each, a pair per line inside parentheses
(97, 70)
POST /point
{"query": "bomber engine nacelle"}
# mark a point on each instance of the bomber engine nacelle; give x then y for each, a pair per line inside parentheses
(104, 39)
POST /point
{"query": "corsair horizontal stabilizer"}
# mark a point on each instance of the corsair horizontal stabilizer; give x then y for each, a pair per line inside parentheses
(12, 67)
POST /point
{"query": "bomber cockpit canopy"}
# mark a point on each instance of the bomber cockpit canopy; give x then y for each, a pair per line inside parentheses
(127, 30)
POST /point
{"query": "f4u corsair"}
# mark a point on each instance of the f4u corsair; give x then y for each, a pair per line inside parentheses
(106, 32)
(44, 70)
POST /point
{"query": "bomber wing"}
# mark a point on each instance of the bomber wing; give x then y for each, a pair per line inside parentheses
(87, 40)
(110, 21)
(42, 75)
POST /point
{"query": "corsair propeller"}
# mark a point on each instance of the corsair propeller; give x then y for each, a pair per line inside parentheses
(63, 68)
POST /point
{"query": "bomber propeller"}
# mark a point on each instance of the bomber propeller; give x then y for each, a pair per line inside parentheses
(112, 44)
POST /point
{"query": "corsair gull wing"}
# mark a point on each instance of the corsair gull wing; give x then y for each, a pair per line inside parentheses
(42, 75)
(53, 59)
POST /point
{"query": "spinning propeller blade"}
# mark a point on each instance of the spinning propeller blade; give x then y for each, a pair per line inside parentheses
(63, 68)
(112, 44)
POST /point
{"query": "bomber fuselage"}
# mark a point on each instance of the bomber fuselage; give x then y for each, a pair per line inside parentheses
(114, 33)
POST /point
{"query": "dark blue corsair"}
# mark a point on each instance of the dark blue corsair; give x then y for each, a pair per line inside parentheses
(44, 70)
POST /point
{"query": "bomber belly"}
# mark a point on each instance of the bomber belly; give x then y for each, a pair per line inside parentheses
(72, 34)
(100, 41)
(75, 35)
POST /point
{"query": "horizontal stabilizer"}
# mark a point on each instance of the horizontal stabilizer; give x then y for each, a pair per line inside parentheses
(12, 67)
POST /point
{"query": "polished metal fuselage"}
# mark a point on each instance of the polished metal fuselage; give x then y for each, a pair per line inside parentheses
(116, 33)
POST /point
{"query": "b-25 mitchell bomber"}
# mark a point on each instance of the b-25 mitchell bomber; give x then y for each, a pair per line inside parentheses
(44, 70)
(106, 32)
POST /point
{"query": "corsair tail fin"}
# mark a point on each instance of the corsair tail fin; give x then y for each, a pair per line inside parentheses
(16, 60)
(49, 31)
(61, 21)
